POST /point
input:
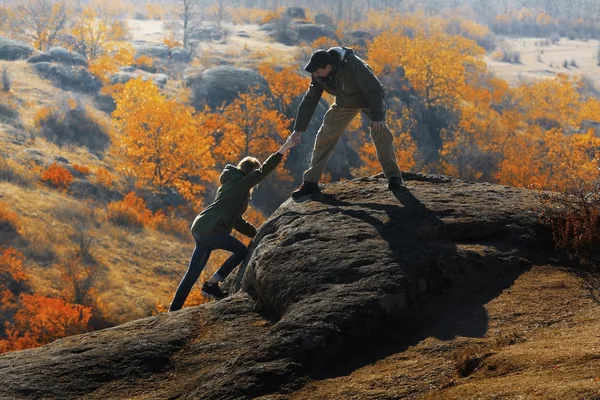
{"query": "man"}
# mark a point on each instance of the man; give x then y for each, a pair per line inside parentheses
(340, 72)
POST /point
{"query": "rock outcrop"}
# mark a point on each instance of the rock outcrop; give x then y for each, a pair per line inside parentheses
(326, 275)
(12, 50)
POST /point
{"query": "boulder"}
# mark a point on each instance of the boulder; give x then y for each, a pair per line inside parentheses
(295, 12)
(60, 55)
(157, 51)
(12, 50)
(221, 84)
(311, 32)
(180, 55)
(357, 38)
(75, 78)
(126, 74)
(328, 280)
(323, 19)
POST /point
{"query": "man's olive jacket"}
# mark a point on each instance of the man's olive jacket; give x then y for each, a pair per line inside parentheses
(353, 84)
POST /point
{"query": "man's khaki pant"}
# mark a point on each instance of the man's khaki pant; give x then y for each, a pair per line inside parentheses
(336, 120)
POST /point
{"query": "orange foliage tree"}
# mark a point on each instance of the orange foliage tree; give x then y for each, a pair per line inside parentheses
(163, 142)
(437, 65)
(95, 30)
(117, 55)
(405, 147)
(549, 150)
(285, 85)
(40, 320)
(252, 127)
(30, 320)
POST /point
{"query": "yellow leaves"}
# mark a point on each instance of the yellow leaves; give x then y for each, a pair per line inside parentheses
(405, 147)
(163, 142)
(323, 43)
(171, 41)
(285, 85)
(252, 127)
(437, 66)
(95, 30)
(144, 61)
(108, 63)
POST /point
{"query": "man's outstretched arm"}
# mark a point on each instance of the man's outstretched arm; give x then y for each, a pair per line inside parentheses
(307, 106)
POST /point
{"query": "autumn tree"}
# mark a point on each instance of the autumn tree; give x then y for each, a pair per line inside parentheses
(189, 16)
(163, 142)
(436, 65)
(30, 320)
(253, 127)
(118, 55)
(96, 29)
(401, 124)
(285, 85)
(40, 320)
(39, 22)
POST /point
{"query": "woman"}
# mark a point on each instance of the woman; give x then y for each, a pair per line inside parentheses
(212, 227)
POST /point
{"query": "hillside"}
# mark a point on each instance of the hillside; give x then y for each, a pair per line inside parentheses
(131, 260)
(359, 293)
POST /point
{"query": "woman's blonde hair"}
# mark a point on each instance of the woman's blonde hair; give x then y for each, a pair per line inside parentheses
(249, 164)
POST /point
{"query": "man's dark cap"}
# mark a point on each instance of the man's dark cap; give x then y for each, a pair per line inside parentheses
(318, 59)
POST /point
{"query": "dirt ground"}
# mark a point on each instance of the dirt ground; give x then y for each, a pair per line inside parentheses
(540, 331)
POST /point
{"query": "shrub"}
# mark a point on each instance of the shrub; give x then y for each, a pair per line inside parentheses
(105, 178)
(57, 176)
(82, 169)
(9, 220)
(6, 81)
(129, 212)
(574, 218)
(69, 122)
(505, 54)
(8, 108)
(14, 172)
(144, 62)
(120, 214)
(171, 224)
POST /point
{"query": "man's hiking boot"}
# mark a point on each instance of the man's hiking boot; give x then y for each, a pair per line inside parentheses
(305, 189)
(213, 290)
(395, 183)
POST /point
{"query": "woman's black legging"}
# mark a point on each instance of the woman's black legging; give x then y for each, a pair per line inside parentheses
(204, 246)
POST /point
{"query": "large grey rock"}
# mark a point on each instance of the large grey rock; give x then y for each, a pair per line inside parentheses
(180, 55)
(125, 75)
(75, 78)
(295, 12)
(159, 51)
(220, 85)
(323, 19)
(593, 125)
(311, 32)
(357, 37)
(60, 55)
(324, 278)
(11, 50)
